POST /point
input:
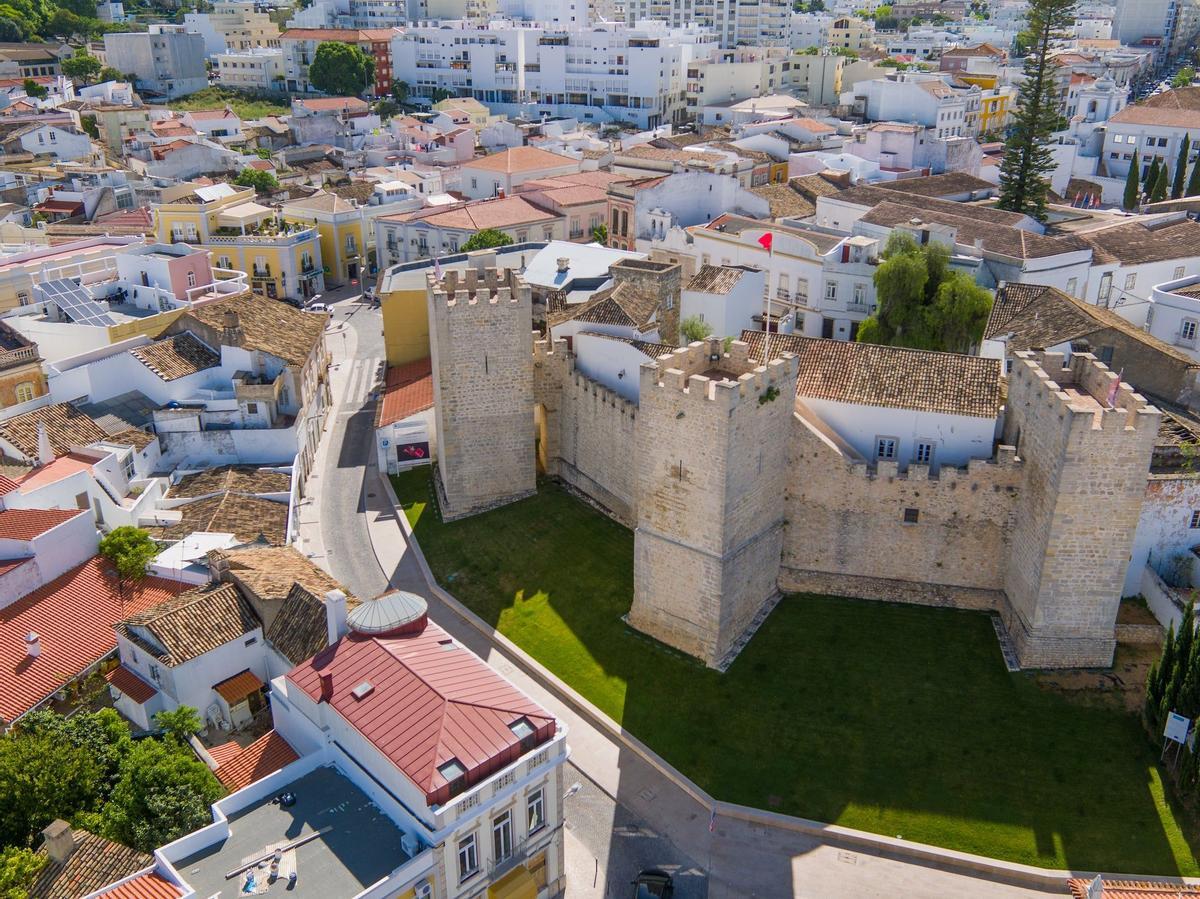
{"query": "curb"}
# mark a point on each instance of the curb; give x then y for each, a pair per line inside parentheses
(978, 866)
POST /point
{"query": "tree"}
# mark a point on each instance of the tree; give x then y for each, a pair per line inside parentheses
(108, 73)
(262, 152)
(11, 30)
(164, 792)
(1132, 188)
(41, 779)
(263, 182)
(179, 723)
(385, 109)
(130, 550)
(486, 239)
(1193, 185)
(922, 303)
(1181, 162)
(89, 126)
(101, 735)
(1028, 158)
(1159, 191)
(82, 66)
(1151, 177)
(66, 24)
(400, 90)
(342, 70)
(33, 89)
(438, 94)
(600, 235)
(18, 869)
(1184, 77)
(694, 328)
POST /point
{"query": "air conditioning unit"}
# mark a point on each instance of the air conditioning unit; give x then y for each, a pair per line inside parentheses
(423, 889)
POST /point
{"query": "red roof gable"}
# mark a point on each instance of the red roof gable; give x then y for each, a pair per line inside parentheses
(130, 684)
(433, 701)
(74, 616)
(25, 524)
(144, 886)
(7, 485)
(267, 754)
(408, 390)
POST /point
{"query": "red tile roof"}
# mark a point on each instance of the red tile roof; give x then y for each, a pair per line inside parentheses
(223, 753)
(236, 688)
(144, 886)
(8, 565)
(7, 485)
(1135, 889)
(74, 616)
(433, 701)
(130, 684)
(267, 754)
(407, 390)
(25, 524)
(520, 159)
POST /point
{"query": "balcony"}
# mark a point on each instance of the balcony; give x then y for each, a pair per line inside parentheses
(19, 356)
(261, 274)
(282, 236)
(864, 308)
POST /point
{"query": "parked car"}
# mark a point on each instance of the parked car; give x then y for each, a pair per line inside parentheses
(316, 307)
(653, 883)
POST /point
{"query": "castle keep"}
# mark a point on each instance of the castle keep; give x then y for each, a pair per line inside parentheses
(745, 480)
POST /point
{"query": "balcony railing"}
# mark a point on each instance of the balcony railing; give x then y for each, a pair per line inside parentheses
(858, 307)
(526, 849)
(260, 273)
(19, 356)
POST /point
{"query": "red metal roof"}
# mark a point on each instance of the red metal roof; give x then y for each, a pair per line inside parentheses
(407, 390)
(432, 701)
(74, 616)
(144, 886)
(267, 754)
(25, 524)
(130, 684)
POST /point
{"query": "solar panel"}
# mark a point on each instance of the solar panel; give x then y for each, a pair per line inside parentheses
(74, 302)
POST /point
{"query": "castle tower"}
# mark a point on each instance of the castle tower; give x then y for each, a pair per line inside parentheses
(663, 280)
(1086, 449)
(711, 441)
(481, 345)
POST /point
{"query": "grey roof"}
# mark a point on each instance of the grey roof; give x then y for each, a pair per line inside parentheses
(716, 279)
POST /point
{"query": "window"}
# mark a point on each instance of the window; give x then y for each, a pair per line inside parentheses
(1187, 329)
(1118, 138)
(924, 452)
(191, 279)
(251, 641)
(1130, 281)
(502, 837)
(223, 262)
(468, 857)
(1178, 271)
(1149, 142)
(1162, 141)
(885, 447)
(911, 516)
(251, 408)
(860, 294)
(831, 290)
(535, 811)
(127, 466)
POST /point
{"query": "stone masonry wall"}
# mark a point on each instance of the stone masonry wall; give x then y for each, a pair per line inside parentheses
(847, 533)
(598, 445)
(482, 356)
(1085, 479)
(661, 279)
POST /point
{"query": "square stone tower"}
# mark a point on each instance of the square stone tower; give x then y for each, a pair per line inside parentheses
(481, 342)
(712, 437)
(1086, 441)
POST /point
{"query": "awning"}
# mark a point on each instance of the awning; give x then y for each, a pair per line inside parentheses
(234, 689)
(243, 214)
(516, 884)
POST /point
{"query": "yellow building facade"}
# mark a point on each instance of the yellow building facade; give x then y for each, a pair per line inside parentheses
(343, 233)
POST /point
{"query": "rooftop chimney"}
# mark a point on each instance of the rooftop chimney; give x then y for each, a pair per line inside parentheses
(564, 263)
(231, 332)
(326, 688)
(335, 615)
(44, 449)
(60, 841)
(33, 645)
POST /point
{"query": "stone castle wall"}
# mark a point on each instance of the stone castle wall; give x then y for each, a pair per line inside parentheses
(847, 534)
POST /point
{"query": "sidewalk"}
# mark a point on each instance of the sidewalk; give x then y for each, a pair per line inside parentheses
(743, 859)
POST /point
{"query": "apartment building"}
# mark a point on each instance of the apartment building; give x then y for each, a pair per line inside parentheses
(167, 60)
(851, 33)
(727, 75)
(257, 68)
(300, 49)
(608, 74)
(234, 25)
(281, 258)
(752, 23)
(951, 109)
(1154, 129)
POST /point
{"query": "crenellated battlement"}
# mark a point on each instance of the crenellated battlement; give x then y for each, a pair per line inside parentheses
(544, 350)
(503, 288)
(586, 386)
(702, 371)
(976, 473)
(1082, 390)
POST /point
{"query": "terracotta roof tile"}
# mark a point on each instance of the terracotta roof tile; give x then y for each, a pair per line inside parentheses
(716, 279)
(95, 863)
(1134, 243)
(177, 356)
(130, 684)
(246, 517)
(26, 524)
(267, 754)
(135, 437)
(65, 426)
(622, 305)
(408, 389)
(519, 159)
(235, 689)
(187, 626)
(269, 326)
(889, 377)
(74, 616)
(433, 702)
(233, 478)
(145, 886)
(1135, 889)
(299, 631)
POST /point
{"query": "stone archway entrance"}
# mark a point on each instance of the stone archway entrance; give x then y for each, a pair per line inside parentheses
(539, 437)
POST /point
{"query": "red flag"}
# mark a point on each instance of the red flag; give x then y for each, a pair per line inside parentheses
(766, 239)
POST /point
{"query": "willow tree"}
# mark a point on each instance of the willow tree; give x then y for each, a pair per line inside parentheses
(1028, 158)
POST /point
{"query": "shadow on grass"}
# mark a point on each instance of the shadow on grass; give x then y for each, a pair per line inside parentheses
(900, 720)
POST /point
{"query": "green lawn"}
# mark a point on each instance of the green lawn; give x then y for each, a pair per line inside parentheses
(895, 719)
(247, 106)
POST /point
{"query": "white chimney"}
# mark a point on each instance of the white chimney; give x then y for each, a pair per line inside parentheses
(45, 450)
(335, 615)
(33, 645)
(60, 841)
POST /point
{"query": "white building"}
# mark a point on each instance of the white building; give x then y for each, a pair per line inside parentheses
(922, 99)
(49, 140)
(259, 68)
(166, 60)
(763, 23)
(726, 298)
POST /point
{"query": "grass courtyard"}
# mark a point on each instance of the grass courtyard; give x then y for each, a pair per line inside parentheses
(899, 720)
(246, 105)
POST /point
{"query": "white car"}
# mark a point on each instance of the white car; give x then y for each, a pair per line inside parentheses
(316, 307)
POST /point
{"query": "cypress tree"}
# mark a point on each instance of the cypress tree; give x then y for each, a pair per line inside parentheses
(1185, 637)
(1181, 167)
(1028, 159)
(1156, 685)
(1151, 177)
(1193, 185)
(1132, 188)
(1159, 193)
